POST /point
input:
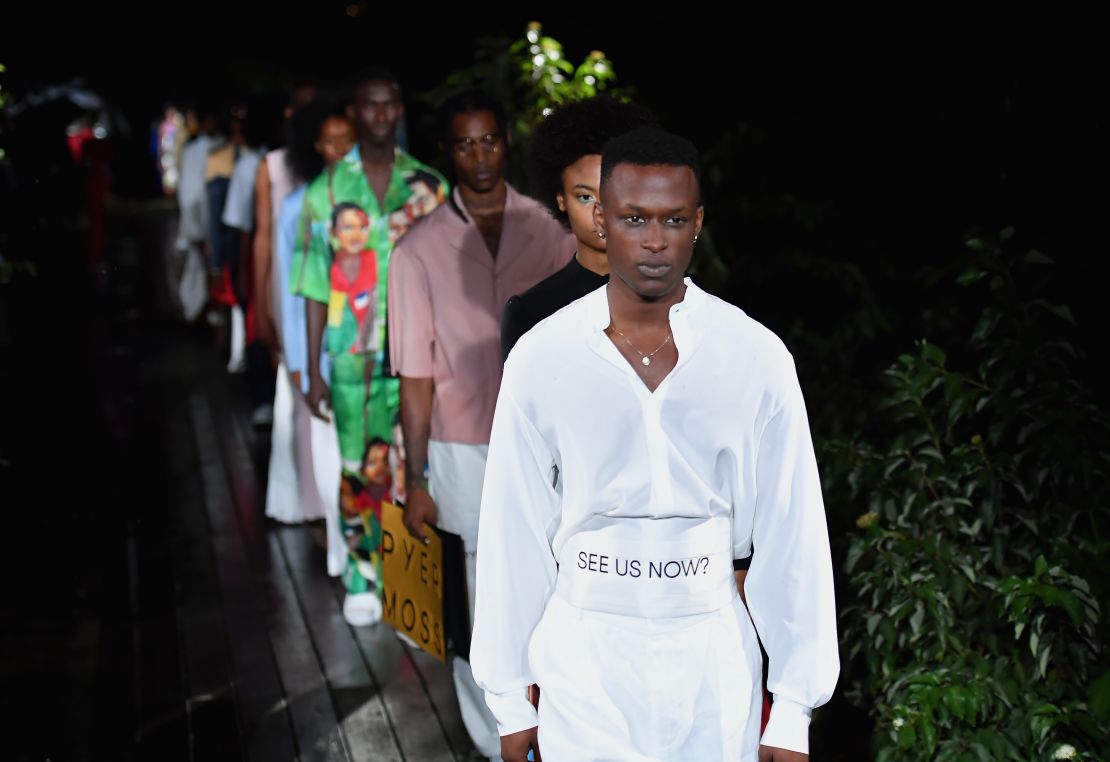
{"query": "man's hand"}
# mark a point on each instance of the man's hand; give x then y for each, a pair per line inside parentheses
(515, 746)
(767, 754)
(317, 393)
(420, 509)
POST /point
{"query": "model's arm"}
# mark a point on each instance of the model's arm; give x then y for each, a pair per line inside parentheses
(516, 567)
(263, 259)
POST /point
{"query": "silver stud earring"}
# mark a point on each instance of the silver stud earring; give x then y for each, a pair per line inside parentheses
(599, 234)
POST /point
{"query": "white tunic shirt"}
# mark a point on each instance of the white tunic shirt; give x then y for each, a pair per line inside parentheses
(581, 448)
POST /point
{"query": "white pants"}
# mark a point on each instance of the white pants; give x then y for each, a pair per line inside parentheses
(291, 493)
(653, 663)
(456, 472)
(619, 687)
(327, 470)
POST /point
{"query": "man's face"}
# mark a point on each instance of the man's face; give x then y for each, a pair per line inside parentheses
(376, 111)
(477, 150)
(649, 215)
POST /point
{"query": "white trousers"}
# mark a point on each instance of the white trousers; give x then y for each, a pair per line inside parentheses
(456, 472)
(291, 493)
(617, 687)
(327, 470)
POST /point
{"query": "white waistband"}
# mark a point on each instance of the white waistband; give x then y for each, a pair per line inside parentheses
(653, 568)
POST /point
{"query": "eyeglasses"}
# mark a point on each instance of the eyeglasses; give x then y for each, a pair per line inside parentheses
(465, 146)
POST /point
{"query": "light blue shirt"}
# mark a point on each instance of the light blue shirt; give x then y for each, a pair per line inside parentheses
(293, 321)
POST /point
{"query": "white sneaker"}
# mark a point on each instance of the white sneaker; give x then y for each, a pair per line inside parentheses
(238, 361)
(362, 609)
(237, 364)
(263, 415)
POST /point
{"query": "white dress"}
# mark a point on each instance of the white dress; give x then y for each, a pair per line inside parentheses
(610, 517)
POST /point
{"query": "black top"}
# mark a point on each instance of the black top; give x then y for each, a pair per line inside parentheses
(544, 299)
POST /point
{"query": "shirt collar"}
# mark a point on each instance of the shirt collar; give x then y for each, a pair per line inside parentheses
(683, 316)
(599, 305)
(459, 208)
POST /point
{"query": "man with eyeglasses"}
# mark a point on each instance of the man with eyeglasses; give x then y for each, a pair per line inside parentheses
(449, 279)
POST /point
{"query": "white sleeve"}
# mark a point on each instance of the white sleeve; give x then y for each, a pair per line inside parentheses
(789, 587)
(516, 567)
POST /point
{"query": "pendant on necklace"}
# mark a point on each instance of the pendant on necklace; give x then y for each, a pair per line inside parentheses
(646, 361)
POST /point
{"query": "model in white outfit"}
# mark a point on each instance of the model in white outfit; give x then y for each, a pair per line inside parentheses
(611, 514)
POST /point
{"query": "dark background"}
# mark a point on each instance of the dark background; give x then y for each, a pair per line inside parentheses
(867, 143)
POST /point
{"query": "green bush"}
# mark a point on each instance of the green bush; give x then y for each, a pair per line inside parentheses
(972, 627)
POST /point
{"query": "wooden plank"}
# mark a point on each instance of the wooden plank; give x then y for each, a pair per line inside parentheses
(419, 731)
(366, 725)
(315, 725)
(206, 667)
(408, 707)
(258, 695)
(161, 730)
(439, 684)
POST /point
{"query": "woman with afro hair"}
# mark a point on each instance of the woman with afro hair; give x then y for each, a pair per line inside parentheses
(566, 171)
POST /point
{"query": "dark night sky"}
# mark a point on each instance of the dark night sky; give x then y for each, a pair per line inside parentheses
(900, 124)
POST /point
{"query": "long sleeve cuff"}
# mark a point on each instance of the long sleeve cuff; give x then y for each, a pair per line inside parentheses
(513, 711)
(788, 726)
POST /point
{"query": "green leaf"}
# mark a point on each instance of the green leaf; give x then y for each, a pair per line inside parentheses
(872, 623)
(970, 275)
(1100, 697)
(1042, 664)
(931, 452)
(955, 700)
(1073, 606)
(917, 618)
(966, 568)
(928, 734)
(1042, 720)
(907, 736)
(1040, 566)
(1061, 311)
(933, 353)
(1038, 258)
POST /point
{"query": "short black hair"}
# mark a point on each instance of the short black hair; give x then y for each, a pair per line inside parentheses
(374, 74)
(344, 206)
(647, 147)
(374, 442)
(572, 131)
(468, 101)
